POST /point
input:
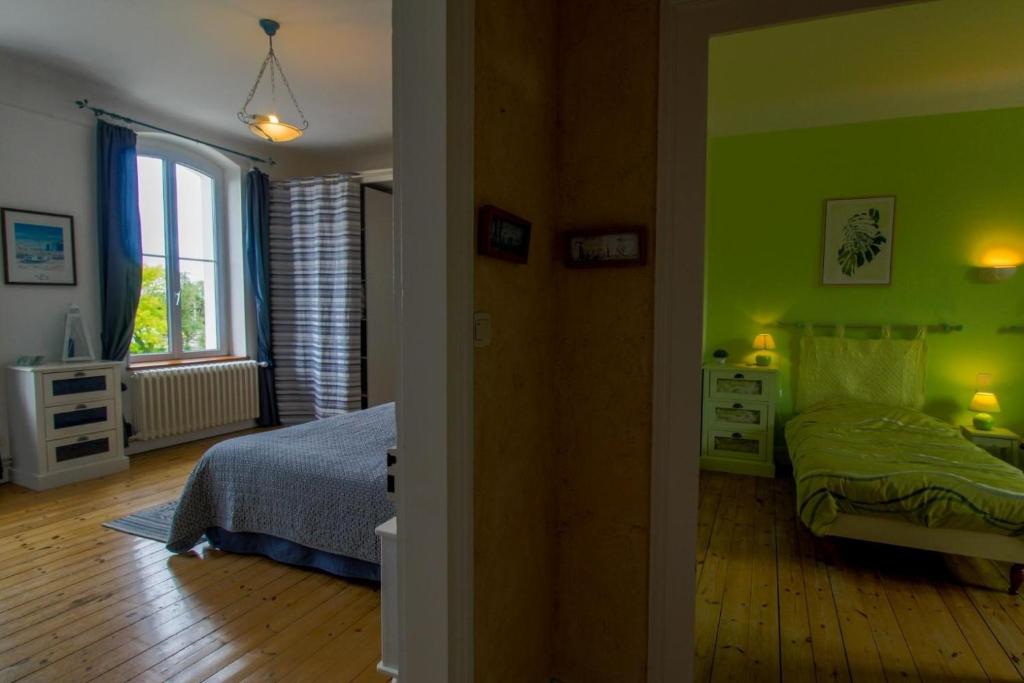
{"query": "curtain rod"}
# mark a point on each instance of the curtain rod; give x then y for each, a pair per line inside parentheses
(941, 327)
(84, 104)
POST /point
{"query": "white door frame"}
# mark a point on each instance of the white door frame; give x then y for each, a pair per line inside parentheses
(686, 27)
(433, 123)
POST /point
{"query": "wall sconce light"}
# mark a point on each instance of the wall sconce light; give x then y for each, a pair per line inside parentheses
(998, 265)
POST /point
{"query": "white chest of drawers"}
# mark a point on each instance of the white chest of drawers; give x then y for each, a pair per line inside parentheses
(65, 423)
(738, 425)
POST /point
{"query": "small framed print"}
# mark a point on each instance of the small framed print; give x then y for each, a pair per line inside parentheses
(503, 235)
(606, 247)
(39, 248)
(858, 240)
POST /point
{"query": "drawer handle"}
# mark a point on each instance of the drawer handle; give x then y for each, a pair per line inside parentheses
(737, 435)
(81, 406)
(79, 374)
(738, 375)
(82, 438)
(737, 406)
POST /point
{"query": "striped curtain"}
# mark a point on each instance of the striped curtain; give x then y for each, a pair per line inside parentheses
(316, 296)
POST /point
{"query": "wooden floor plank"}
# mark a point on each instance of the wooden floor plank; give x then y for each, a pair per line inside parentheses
(712, 583)
(80, 602)
(795, 652)
(732, 648)
(764, 589)
(277, 665)
(776, 603)
(826, 635)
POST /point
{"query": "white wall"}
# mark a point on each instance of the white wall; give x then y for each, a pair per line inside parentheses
(47, 163)
(382, 352)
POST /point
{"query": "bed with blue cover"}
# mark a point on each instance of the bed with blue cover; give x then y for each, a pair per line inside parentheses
(309, 495)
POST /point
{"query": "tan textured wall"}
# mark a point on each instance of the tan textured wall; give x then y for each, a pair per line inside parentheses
(607, 153)
(515, 408)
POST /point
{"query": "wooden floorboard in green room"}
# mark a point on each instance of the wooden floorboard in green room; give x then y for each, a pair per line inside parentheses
(79, 602)
(776, 603)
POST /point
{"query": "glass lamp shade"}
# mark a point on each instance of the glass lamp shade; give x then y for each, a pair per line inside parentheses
(269, 127)
(985, 402)
(764, 342)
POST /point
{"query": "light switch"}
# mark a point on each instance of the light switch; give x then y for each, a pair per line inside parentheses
(481, 329)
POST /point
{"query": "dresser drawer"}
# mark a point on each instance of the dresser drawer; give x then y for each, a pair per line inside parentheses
(77, 386)
(737, 384)
(79, 418)
(737, 445)
(80, 450)
(737, 414)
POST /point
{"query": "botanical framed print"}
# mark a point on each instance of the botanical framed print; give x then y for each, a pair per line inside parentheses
(857, 245)
(503, 235)
(39, 247)
(603, 247)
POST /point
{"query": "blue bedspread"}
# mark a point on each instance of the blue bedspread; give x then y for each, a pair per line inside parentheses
(322, 485)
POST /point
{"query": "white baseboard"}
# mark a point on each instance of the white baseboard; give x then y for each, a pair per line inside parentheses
(137, 447)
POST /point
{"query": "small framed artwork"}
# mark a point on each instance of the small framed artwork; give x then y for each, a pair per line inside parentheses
(503, 235)
(606, 247)
(39, 248)
(857, 244)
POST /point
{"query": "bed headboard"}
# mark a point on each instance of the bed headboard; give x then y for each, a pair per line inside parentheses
(886, 370)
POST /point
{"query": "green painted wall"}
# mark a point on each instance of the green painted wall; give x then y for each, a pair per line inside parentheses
(959, 184)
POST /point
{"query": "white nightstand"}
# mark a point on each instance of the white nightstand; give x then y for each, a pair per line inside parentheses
(738, 428)
(1000, 442)
(65, 422)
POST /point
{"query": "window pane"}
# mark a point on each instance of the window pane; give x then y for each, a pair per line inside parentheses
(198, 305)
(151, 319)
(151, 205)
(195, 214)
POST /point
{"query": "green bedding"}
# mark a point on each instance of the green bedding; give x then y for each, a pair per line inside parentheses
(866, 458)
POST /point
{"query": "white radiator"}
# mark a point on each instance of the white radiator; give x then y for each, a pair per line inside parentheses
(190, 398)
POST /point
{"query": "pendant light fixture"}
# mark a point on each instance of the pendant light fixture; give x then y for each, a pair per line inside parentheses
(270, 126)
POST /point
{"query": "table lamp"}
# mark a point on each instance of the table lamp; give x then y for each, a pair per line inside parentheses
(984, 403)
(763, 342)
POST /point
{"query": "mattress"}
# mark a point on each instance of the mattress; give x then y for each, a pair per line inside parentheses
(320, 485)
(870, 459)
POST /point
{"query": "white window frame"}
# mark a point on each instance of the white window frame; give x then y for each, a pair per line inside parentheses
(171, 155)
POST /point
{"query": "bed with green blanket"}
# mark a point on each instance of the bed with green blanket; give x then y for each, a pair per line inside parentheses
(869, 465)
(872, 459)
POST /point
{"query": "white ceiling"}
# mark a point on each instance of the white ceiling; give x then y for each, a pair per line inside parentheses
(197, 59)
(918, 59)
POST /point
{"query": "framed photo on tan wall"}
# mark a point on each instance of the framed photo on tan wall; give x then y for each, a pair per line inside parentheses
(857, 242)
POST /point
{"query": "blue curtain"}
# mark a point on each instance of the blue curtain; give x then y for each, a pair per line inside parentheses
(120, 236)
(256, 235)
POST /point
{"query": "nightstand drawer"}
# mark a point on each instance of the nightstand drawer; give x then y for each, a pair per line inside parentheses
(737, 445)
(1003, 449)
(737, 414)
(79, 418)
(80, 450)
(739, 384)
(60, 388)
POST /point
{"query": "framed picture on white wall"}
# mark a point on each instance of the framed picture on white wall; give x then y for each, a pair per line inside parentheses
(39, 248)
(857, 244)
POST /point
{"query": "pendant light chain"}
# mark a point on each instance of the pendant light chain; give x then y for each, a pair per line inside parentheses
(274, 64)
(284, 79)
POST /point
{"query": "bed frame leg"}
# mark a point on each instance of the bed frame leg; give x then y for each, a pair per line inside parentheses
(1016, 578)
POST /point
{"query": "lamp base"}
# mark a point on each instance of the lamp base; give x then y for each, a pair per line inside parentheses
(983, 422)
(763, 360)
